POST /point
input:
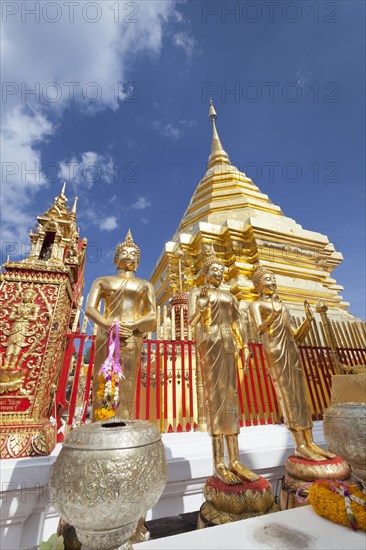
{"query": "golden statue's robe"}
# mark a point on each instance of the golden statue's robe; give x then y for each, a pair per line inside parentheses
(132, 301)
(285, 367)
(217, 354)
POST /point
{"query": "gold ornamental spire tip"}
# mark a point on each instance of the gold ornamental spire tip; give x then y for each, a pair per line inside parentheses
(212, 113)
(74, 205)
(218, 155)
(63, 189)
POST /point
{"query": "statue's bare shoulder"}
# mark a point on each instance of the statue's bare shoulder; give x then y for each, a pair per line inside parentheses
(144, 283)
(254, 306)
(195, 291)
(105, 283)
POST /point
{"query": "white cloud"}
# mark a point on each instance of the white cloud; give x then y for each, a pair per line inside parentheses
(109, 223)
(170, 130)
(303, 75)
(89, 168)
(141, 204)
(167, 130)
(65, 58)
(20, 169)
(185, 41)
(98, 219)
(188, 123)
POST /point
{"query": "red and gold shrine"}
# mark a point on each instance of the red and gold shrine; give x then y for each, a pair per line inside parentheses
(39, 298)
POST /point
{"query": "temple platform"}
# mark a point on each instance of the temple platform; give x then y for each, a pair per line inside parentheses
(286, 530)
(27, 516)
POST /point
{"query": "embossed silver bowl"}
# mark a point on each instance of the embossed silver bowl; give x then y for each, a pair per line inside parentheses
(107, 475)
(344, 426)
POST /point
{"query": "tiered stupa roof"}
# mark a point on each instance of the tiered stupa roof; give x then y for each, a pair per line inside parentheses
(229, 212)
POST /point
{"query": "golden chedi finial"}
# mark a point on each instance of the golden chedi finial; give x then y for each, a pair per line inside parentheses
(128, 242)
(218, 155)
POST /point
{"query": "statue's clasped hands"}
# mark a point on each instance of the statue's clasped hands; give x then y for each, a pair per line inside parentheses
(126, 330)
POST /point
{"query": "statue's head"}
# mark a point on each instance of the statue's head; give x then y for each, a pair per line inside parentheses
(213, 270)
(264, 281)
(29, 295)
(127, 254)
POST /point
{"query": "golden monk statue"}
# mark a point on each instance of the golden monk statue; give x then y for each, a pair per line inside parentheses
(214, 313)
(279, 338)
(129, 301)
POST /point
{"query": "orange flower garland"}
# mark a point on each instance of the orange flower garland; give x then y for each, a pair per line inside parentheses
(338, 501)
(109, 378)
(105, 411)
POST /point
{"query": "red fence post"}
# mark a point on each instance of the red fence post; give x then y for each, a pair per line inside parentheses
(148, 387)
(75, 385)
(61, 403)
(157, 378)
(165, 388)
(190, 371)
(183, 378)
(138, 384)
(88, 380)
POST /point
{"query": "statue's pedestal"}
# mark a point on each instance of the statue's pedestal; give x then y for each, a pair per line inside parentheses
(299, 471)
(228, 503)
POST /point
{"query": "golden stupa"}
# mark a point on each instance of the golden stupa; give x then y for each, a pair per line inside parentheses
(230, 214)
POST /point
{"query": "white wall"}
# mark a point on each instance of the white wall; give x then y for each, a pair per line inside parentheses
(27, 517)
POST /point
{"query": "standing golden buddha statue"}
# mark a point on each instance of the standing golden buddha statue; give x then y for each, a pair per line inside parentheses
(280, 340)
(130, 301)
(214, 313)
(234, 492)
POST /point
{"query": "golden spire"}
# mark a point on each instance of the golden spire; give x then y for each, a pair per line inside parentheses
(63, 189)
(218, 155)
(73, 210)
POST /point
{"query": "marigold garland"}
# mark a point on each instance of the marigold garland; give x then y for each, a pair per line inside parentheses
(103, 414)
(109, 396)
(339, 502)
(109, 378)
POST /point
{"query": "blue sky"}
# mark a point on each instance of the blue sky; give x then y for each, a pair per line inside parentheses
(119, 110)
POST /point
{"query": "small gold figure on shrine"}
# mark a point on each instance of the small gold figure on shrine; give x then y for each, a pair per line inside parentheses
(214, 313)
(22, 313)
(280, 338)
(130, 301)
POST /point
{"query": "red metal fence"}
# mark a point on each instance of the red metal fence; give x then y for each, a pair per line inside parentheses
(167, 385)
(63, 405)
(352, 356)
